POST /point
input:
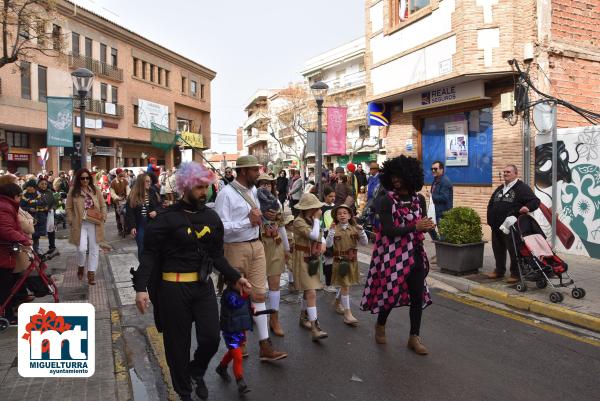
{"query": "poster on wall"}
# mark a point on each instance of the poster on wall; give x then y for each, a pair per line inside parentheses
(578, 181)
(150, 112)
(457, 143)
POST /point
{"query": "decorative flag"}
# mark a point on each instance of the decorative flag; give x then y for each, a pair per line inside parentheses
(378, 115)
(60, 121)
(336, 130)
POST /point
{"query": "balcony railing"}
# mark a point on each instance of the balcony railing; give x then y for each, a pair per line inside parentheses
(96, 66)
(94, 106)
(346, 82)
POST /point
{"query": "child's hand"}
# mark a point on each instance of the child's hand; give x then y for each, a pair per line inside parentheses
(243, 285)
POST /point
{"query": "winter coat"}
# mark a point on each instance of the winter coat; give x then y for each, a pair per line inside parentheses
(133, 215)
(75, 212)
(11, 231)
(35, 205)
(442, 195)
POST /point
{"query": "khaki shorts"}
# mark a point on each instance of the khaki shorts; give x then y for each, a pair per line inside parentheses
(249, 259)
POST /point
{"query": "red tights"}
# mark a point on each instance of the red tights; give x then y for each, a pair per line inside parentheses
(235, 355)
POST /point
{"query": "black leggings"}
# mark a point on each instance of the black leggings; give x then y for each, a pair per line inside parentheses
(328, 271)
(416, 286)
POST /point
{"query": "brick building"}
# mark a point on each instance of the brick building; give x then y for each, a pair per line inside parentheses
(132, 74)
(441, 67)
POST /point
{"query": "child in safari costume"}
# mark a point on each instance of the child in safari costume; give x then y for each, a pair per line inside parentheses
(275, 242)
(344, 236)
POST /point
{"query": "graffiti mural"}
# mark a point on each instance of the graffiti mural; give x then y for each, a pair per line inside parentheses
(578, 180)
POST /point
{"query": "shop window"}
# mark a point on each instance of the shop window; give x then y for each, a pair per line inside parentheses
(463, 142)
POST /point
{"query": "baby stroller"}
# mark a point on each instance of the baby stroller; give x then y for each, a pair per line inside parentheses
(537, 262)
(35, 277)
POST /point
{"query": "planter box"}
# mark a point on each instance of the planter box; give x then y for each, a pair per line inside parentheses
(459, 259)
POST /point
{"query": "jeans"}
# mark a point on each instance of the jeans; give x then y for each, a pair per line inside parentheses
(139, 237)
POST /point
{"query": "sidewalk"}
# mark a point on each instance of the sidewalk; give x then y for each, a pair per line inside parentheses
(103, 385)
(580, 312)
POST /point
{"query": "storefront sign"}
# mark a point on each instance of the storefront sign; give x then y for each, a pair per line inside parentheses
(108, 124)
(60, 121)
(192, 139)
(150, 112)
(18, 157)
(90, 123)
(379, 114)
(457, 143)
(336, 130)
(444, 95)
(105, 151)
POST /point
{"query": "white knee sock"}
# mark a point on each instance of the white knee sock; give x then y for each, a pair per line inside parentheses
(312, 313)
(274, 297)
(290, 277)
(346, 301)
(338, 293)
(261, 321)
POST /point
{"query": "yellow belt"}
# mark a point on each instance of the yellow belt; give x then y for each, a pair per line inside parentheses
(181, 277)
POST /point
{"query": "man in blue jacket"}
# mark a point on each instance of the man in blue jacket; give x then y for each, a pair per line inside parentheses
(441, 193)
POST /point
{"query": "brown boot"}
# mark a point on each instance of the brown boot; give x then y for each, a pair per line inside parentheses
(349, 319)
(380, 334)
(274, 324)
(414, 343)
(80, 272)
(316, 332)
(91, 278)
(304, 322)
(267, 353)
(337, 304)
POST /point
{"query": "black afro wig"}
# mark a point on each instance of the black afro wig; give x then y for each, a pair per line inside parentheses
(409, 169)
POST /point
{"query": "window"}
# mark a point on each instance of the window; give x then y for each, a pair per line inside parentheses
(201, 91)
(401, 10)
(135, 114)
(167, 78)
(40, 33)
(144, 69)
(25, 80)
(135, 67)
(151, 73)
(103, 92)
(183, 125)
(56, 37)
(17, 139)
(88, 47)
(42, 83)
(183, 84)
(114, 94)
(113, 57)
(102, 53)
(193, 88)
(160, 75)
(75, 43)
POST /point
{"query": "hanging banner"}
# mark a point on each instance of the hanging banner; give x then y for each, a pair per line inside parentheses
(379, 114)
(192, 139)
(457, 143)
(150, 112)
(60, 121)
(336, 130)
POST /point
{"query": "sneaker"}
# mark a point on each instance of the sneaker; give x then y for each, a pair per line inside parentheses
(222, 371)
(242, 386)
(330, 289)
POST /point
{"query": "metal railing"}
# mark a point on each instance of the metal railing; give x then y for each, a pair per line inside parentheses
(94, 106)
(96, 66)
(347, 82)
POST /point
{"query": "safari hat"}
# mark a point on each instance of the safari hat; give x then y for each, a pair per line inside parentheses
(287, 219)
(246, 161)
(265, 177)
(338, 207)
(308, 201)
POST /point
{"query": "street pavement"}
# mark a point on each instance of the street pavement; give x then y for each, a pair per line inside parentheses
(478, 350)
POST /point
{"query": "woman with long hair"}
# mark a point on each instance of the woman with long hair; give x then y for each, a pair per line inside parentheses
(143, 203)
(86, 214)
(282, 187)
(399, 263)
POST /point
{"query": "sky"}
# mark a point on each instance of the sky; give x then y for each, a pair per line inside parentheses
(250, 44)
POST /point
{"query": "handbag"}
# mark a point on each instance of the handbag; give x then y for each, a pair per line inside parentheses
(93, 215)
(23, 260)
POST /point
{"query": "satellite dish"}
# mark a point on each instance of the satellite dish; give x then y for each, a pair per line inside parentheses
(544, 115)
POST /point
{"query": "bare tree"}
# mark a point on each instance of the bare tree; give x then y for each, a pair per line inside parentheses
(27, 30)
(362, 141)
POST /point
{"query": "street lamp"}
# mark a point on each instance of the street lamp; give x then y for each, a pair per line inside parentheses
(319, 90)
(82, 82)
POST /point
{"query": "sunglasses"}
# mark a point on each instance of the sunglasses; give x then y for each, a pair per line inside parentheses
(434, 169)
(84, 178)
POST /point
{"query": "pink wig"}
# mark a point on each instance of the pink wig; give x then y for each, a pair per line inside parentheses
(191, 174)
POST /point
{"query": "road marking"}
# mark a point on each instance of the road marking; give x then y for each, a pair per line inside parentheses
(519, 318)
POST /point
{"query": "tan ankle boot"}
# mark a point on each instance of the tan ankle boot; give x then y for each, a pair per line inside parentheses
(91, 278)
(380, 334)
(337, 304)
(267, 353)
(304, 322)
(274, 324)
(349, 319)
(316, 332)
(80, 272)
(414, 343)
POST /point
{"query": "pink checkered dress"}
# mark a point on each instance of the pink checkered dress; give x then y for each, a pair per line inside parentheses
(392, 261)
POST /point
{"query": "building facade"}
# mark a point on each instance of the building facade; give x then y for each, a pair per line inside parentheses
(136, 82)
(440, 67)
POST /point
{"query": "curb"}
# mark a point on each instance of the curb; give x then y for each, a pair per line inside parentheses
(121, 371)
(520, 302)
(156, 343)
